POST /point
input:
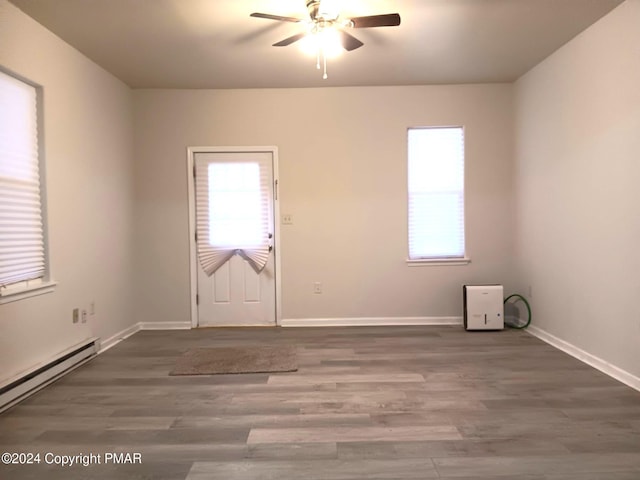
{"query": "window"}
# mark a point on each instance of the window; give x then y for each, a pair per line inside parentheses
(23, 263)
(436, 194)
(234, 210)
(237, 211)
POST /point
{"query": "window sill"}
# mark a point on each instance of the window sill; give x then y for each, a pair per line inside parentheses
(8, 295)
(435, 262)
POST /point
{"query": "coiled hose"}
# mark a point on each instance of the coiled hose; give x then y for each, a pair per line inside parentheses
(524, 300)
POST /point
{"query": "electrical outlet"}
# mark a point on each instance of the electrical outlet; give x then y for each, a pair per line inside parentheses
(92, 308)
(530, 292)
(76, 315)
(317, 287)
(287, 219)
(84, 316)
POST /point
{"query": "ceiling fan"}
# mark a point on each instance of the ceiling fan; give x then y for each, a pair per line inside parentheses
(325, 18)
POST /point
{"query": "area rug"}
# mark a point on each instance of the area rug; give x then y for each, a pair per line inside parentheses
(249, 359)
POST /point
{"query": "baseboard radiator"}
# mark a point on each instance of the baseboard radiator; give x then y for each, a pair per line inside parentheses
(20, 388)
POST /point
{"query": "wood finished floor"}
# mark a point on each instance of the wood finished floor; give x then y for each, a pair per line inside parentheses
(366, 403)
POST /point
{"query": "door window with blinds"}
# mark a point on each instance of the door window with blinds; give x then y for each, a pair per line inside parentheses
(436, 194)
(233, 209)
(23, 262)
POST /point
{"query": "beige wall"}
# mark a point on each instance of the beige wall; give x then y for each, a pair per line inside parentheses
(577, 176)
(88, 143)
(342, 177)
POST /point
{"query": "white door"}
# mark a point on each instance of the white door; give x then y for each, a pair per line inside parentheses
(238, 189)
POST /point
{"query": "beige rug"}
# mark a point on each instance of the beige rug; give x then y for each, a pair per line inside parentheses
(251, 359)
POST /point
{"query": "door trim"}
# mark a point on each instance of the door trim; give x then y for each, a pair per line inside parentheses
(193, 255)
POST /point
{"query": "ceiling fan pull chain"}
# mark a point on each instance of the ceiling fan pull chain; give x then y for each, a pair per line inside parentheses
(324, 60)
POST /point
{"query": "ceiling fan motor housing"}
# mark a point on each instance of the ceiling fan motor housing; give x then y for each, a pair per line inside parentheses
(318, 14)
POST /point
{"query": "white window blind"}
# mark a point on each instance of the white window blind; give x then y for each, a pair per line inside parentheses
(238, 216)
(22, 254)
(233, 210)
(436, 193)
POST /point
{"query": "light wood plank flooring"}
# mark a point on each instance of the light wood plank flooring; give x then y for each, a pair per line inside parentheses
(366, 403)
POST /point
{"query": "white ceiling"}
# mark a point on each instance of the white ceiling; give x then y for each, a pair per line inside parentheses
(215, 44)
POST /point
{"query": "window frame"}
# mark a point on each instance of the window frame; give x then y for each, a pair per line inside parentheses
(438, 260)
(45, 284)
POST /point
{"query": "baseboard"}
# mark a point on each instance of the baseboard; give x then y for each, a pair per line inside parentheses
(368, 321)
(127, 332)
(596, 362)
(118, 337)
(165, 325)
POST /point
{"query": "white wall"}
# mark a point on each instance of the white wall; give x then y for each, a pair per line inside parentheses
(88, 133)
(577, 177)
(342, 177)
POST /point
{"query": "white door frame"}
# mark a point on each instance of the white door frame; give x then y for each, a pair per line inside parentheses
(193, 254)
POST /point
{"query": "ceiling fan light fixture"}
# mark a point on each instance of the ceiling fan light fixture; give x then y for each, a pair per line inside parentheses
(325, 41)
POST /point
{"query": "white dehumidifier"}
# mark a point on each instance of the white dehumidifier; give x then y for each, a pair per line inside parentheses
(483, 307)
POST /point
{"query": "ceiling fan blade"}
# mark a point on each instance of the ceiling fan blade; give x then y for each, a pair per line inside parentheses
(349, 42)
(289, 40)
(275, 17)
(385, 20)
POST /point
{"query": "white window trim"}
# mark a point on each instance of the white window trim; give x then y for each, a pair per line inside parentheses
(13, 293)
(435, 262)
(443, 261)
